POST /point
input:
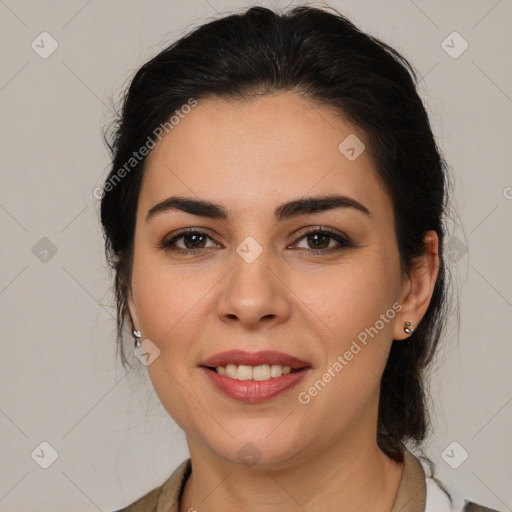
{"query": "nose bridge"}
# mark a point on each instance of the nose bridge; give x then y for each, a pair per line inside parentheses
(251, 274)
(252, 290)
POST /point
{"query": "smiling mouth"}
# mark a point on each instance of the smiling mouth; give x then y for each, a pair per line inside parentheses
(256, 373)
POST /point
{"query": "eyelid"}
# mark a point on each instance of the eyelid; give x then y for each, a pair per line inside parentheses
(343, 240)
(167, 240)
(315, 228)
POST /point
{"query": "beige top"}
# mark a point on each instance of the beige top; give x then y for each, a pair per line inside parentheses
(411, 495)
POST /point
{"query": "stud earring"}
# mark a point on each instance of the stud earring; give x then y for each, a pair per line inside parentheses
(407, 328)
(137, 336)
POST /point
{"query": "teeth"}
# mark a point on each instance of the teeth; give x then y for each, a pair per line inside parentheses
(244, 372)
(261, 372)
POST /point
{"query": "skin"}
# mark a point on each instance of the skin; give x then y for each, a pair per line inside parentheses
(251, 156)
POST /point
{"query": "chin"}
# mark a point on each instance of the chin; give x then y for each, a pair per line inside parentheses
(258, 452)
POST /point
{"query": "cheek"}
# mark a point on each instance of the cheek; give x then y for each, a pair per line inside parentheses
(169, 303)
(352, 297)
(356, 304)
(171, 310)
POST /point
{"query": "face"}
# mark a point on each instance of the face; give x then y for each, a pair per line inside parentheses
(308, 284)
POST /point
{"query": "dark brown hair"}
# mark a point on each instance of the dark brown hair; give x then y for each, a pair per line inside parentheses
(325, 57)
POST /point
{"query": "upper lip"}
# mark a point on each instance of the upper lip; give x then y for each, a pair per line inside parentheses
(239, 357)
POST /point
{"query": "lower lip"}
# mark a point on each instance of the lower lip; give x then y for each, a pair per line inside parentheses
(255, 391)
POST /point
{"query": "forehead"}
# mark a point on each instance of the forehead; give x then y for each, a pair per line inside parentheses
(262, 150)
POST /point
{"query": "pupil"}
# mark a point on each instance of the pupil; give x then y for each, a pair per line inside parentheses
(316, 236)
(194, 237)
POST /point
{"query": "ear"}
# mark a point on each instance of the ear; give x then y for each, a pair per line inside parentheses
(418, 287)
(132, 310)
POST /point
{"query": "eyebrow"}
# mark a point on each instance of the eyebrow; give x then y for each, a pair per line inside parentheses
(303, 206)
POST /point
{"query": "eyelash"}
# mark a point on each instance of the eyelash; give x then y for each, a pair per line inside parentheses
(343, 240)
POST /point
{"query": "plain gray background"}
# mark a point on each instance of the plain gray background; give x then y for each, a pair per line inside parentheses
(60, 380)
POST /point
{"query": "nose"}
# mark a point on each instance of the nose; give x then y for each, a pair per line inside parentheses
(254, 293)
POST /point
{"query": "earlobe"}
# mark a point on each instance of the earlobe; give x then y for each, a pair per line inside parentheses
(418, 288)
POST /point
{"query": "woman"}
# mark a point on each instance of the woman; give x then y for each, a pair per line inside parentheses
(275, 219)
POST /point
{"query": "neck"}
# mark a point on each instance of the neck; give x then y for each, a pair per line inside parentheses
(350, 475)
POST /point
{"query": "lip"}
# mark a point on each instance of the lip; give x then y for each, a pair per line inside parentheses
(251, 390)
(255, 391)
(239, 357)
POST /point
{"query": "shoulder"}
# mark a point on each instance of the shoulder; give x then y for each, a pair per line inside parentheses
(146, 503)
(469, 506)
(440, 498)
(165, 496)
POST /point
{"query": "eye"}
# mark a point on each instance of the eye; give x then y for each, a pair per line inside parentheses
(194, 241)
(321, 239)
